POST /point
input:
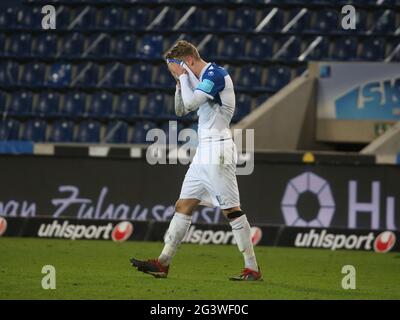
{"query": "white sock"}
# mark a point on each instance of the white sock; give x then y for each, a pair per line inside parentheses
(242, 233)
(178, 227)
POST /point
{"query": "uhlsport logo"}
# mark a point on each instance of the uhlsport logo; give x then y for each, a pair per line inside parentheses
(3, 226)
(122, 231)
(384, 242)
(324, 239)
(66, 230)
(198, 236)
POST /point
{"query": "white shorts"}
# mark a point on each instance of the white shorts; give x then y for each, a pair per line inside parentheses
(211, 177)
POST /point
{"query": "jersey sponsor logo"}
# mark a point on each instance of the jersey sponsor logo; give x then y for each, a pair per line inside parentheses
(384, 242)
(206, 85)
(211, 73)
(3, 226)
(122, 231)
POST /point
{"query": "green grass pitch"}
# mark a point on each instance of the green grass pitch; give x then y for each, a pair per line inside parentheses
(101, 270)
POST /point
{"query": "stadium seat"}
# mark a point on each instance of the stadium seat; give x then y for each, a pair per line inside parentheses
(278, 77)
(243, 107)
(384, 21)
(167, 21)
(73, 45)
(3, 41)
(98, 47)
(48, 104)
(28, 18)
(21, 103)
(20, 45)
(34, 130)
(116, 132)
(7, 18)
(344, 49)
(320, 52)
(33, 74)
(373, 49)
(9, 73)
(88, 132)
(244, 20)
(46, 46)
(151, 46)
(290, 51)
(215, 19)
(163, 78)
(137, 18)
(261, 99)
(276, 23)
(233, 47)
(101, 105)
(139, 75)
(110, 18)
(250, 77)
(9, 129)
(64, 18)
(325, 21)
(74, 104)
(125, 46)
(62, 131)
(60, 75)
(154, 105)
(128, 105)
(210, 48)
(87, 74)
(85, 21)
(113, 75)
(303, 23)
(140, 130)
(261, 47)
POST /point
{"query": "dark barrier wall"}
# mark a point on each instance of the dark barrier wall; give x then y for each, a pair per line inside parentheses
(350, 196)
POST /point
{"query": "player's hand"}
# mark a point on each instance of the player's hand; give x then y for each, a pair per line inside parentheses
(176, 70)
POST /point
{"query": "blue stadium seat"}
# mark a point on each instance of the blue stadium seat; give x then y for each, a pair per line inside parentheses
(303, 23)
(28, 18)
(9, 129)
(210, 49)
(46, 46)
(33, 74)
(73, 45)
(276, 23)
(325, 21)
(139, 75)
(137, 18)
(87, 21)
(9, 72)
(101, 105)
(261, 47)
(278, 77)
(60, 75)
(140, 130)
(320, 52)
(344, 49)
(292, 51)
(250, 77)
(155, 104)
(167, 22)
(2, 44)
(128, 105)
(48, 104)
(88, 132)
(64, 18)
(244, 19)
(261, 99)
(113, 75)
(163, 77)
(215, 19)
(21, 103)
(34, 130)
(116, 132)
(243, 107)
(20, 45)
(373, 49)
(88, 74)
(233, 47)
(62, 131)
(385, 21)
(151, 46)
(7, 18)
(193, 22)
(110, 18)
(125, 46)
(99, 48)
(74, 104)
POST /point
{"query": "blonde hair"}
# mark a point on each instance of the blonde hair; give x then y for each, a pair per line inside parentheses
(182, 49)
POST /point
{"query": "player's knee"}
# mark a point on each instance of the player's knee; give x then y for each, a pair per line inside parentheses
(184, 207)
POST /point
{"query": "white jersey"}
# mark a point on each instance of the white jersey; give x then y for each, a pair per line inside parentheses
(215, 115)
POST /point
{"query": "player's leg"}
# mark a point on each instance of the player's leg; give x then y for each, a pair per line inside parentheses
(242, 233)
(178, 227)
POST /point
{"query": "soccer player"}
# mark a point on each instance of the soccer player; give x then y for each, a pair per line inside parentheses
(207, 182)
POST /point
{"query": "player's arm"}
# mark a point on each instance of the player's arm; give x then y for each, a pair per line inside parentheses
(192, 100)
(179, 106)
